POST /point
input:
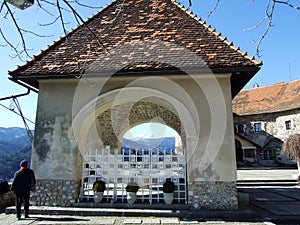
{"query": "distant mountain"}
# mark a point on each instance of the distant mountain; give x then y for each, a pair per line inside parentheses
(13, 139)
(14, 147)
(149, 143)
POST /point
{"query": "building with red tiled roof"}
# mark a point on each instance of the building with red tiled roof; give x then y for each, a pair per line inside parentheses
(134, 62)
(104, 33)
(267, 116)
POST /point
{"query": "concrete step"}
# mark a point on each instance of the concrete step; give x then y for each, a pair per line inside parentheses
(76, 211)
(105, 209)
(277, 183)
(142, 211)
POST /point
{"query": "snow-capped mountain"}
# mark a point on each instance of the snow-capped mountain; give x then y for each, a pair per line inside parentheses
(149, 143)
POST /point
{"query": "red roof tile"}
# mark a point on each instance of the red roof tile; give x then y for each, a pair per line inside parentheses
(268, 99)
(129, 22)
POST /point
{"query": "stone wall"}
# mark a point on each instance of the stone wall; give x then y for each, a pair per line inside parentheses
(272, 124)
(214, 195)
(112, 123)
(273, 133)
(55, 193)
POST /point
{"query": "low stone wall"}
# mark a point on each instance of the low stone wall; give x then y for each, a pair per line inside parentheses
(213, 195)
(55, 193)
(201, 195)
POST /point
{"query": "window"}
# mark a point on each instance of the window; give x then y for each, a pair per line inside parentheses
(288, 125)
(257, 127)
(249, 153)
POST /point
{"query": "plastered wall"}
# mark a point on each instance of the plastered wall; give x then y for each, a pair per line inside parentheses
(205, 115)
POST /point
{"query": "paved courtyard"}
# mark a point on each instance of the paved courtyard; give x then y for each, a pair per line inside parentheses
(47, 220)
(258, 206)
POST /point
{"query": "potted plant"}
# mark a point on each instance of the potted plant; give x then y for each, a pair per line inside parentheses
(168, 189)
(98, 188)
(131, 189)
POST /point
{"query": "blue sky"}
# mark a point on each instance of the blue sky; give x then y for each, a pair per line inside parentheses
(150, 130)
(280, 49)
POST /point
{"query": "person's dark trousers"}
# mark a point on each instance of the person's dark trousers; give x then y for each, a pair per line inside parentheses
(19, 201)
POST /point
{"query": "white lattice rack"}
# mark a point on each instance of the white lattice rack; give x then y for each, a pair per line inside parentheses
(148, 168)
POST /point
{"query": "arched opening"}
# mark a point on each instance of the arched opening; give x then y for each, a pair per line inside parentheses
(151, 153)
(152, 135)
(149, 167)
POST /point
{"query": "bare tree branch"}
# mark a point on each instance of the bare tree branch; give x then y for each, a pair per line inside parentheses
(46, 11)
(269, 12)
(35, 34)
(55, 5)
(61, 17)
(256, 25)
(288, 4)
(60, 8)
(270, 8)
(48, 24)
(83, 22)
(1, 7)
(213, 10)
(25, 50)
(61, 11)
(7, 42)
(14, 48)
(87, 6)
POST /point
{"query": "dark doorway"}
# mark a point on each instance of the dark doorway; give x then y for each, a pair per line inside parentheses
(238, 151)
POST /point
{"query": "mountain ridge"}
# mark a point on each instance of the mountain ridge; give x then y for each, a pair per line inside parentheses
(14, 147)
(149, 143)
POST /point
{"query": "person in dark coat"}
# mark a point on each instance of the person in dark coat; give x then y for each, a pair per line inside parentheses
(23, 182)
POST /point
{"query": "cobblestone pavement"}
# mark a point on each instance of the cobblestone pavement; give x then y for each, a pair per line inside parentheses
(8, 219)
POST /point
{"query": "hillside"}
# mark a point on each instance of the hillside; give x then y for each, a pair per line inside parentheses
(14, 147)
(149, 143)
(13, 139)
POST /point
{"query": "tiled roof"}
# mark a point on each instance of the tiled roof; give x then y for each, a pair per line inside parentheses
(130, 23)
(268, 99)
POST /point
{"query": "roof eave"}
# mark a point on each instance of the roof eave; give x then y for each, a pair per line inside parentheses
(33, 86)
(240, 78)
(248, 139)
(240, 75)
(268, 112)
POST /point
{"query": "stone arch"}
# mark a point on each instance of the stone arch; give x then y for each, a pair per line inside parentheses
(141, 112)
(91, 118)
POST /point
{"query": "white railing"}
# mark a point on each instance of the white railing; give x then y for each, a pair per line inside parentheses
(148, 168)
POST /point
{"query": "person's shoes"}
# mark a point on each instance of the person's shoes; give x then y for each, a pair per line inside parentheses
(18, 217)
